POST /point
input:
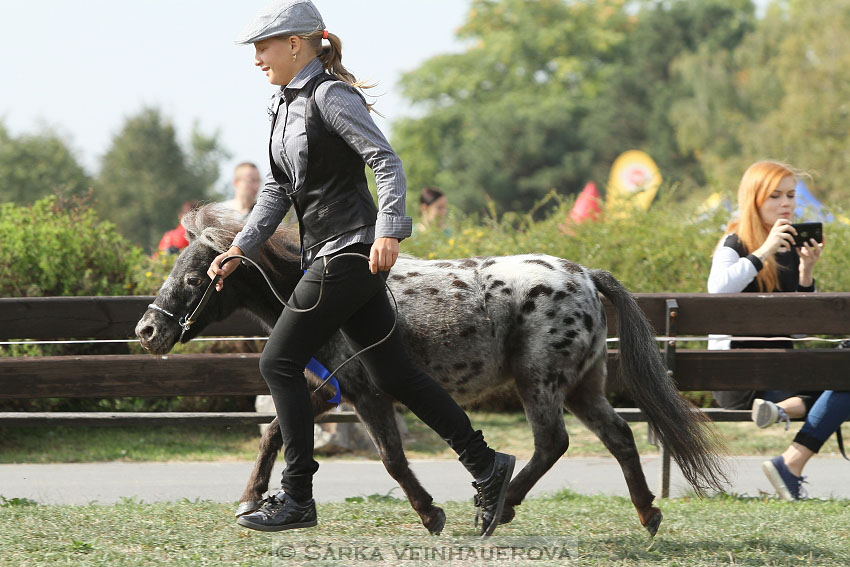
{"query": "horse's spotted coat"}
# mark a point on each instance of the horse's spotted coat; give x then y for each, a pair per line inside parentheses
(474, 325)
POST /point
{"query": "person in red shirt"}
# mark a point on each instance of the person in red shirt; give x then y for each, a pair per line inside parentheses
(174, 240)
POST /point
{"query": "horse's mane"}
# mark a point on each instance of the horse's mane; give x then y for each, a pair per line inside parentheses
(215, 226)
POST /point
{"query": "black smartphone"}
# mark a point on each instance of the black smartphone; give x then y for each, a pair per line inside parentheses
(806, 231)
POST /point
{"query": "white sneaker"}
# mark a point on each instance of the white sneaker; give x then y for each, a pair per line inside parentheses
(764, 413)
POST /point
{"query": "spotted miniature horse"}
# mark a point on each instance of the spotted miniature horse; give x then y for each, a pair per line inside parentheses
(474, 324)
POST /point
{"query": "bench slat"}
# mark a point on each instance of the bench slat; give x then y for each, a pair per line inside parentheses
(29, 419)
(119, 419)
(96, 376)
(53, 318)
(238, 374)
(744, 314)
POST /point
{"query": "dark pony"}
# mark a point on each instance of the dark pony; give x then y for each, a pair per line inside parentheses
(475, 325)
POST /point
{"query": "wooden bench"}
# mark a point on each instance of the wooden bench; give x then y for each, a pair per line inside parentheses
(104, 376)
(675, 316)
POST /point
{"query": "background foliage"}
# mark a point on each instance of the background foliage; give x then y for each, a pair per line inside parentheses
(56, 247)
(146, 175)
(35, 165)
(542, 99)
(544, 95)
(548, 93)
(667, 248)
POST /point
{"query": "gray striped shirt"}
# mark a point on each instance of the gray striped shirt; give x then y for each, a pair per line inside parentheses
(344, 112)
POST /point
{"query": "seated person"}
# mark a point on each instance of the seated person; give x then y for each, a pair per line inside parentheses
(757, 254)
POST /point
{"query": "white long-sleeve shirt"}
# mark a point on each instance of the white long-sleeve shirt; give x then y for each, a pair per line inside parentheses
(730, 272)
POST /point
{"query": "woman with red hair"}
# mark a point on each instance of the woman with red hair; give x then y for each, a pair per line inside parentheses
(757, 254)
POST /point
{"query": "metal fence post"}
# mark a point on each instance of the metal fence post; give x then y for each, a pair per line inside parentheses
(670, 361)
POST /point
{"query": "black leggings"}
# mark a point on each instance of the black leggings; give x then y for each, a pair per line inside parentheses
(353, 300)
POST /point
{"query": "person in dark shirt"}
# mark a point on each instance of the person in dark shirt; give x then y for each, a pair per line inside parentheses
(757, 254)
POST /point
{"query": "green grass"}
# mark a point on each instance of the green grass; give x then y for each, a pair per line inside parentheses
(504, 431)
(151, 443)
(603, 530)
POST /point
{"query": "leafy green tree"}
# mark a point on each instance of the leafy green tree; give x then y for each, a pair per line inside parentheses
(146, 175)
(501, 119)
(810, 126)
(551, 91)
(726, 92)
(634, 108)
(35, 165)
(781, 94)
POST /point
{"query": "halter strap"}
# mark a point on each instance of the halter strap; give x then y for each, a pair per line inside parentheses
(156, 307)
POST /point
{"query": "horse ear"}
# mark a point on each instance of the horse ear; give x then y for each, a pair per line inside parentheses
(189, 223)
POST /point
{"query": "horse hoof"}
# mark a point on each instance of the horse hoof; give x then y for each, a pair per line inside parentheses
(653, 523)
(507, 515)
(436, 522)
(248, 507)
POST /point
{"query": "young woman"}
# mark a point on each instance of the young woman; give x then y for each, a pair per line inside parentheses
(321, 136)
(757, 254)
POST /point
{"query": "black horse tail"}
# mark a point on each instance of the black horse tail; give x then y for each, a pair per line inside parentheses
(683, 429)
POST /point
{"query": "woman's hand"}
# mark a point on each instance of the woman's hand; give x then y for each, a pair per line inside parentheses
(383, 255)
(809, 255)
(216, 269)
(780, 239)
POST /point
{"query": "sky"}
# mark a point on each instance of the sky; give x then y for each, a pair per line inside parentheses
(81, 67)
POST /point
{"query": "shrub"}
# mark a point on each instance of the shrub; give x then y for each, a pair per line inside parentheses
(665, 249)
(54, 248)
(61, 248)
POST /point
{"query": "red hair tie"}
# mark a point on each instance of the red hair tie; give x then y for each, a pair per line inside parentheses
(325, 34)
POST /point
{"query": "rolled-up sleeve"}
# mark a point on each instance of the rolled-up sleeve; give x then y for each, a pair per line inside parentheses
(344, 112)
(271, 206)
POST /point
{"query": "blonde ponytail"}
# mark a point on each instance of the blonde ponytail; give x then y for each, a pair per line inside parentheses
(331, 57)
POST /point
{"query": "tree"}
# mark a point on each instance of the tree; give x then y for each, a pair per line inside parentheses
(551, 91)
(810, 126)
(502, 119)
(781, 94)
(33, 166)
(726, 92)
(146, 175)
(634, 108)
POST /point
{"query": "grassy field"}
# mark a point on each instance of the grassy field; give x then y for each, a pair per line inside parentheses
(598, 530)
(505, 431)
(595, 530)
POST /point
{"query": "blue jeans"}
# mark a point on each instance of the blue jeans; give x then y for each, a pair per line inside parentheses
(830, 410)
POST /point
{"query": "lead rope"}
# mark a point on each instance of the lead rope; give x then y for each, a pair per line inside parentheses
(840, 439)
(187, 321)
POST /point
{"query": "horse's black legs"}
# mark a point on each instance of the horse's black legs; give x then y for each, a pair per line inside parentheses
(542, 403)
(590, 405)
(258, 482)
(378, 416)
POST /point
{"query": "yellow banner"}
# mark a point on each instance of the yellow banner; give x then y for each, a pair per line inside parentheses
(634, 181)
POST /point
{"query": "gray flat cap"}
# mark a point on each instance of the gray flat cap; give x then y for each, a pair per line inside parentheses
(282, 17)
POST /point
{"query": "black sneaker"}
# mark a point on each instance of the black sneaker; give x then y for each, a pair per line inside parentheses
(490, 499)
(280, 512)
